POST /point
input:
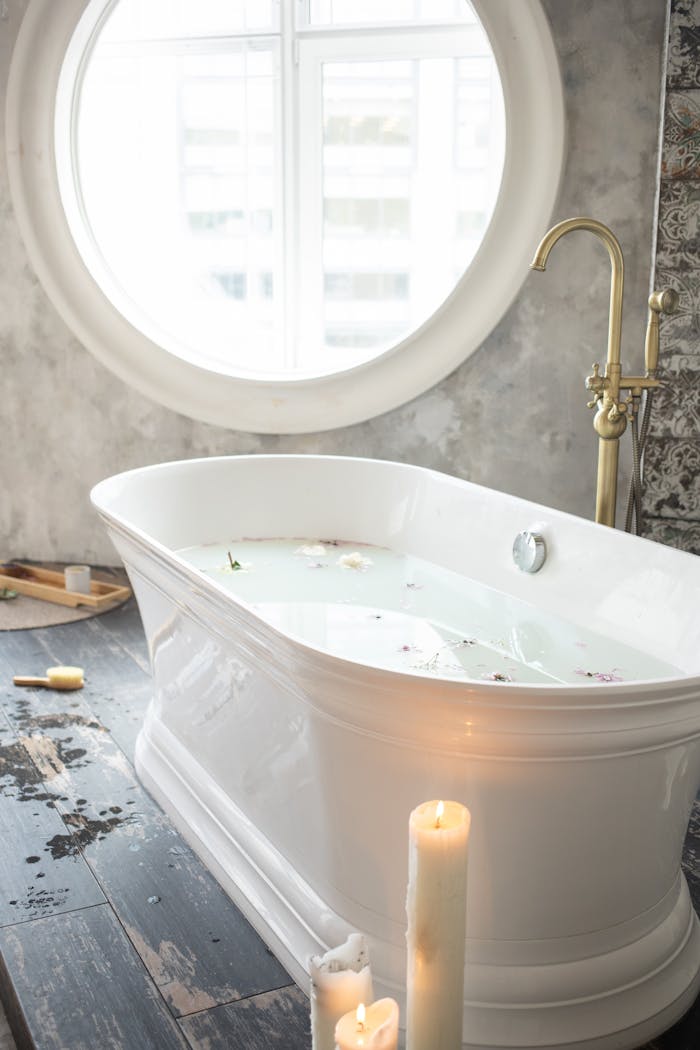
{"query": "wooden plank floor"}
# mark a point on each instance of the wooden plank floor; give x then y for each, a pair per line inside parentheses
(112, 934)
(6, 1040)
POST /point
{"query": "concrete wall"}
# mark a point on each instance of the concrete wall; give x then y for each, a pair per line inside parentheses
(513, 416)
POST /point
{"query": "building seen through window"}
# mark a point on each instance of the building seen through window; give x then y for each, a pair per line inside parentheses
(280, 188)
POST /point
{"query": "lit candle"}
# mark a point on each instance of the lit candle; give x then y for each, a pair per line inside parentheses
(375, 1027)
(340, 980)
(436, 909)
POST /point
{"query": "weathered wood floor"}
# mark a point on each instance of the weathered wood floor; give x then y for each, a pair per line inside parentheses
(112, 934)
(6, 1040)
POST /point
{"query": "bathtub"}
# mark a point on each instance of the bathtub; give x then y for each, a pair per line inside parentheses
(292, 770)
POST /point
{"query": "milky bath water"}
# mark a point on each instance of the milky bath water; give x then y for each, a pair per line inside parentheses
(385, 609)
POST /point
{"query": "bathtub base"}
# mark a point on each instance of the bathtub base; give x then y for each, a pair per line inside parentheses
(652, 981)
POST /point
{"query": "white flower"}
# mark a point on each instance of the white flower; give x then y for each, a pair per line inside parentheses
(354, 561)
(312, 550)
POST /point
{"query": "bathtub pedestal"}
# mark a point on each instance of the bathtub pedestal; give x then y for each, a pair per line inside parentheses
(591, 999)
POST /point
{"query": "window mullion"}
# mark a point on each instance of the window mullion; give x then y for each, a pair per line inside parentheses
(287, 190)
(309, 145)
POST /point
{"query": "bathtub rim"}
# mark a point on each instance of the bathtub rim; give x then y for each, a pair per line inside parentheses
(610, 693)
(583, 732)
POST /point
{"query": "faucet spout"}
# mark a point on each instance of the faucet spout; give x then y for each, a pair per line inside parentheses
(611, 242)
(611, 416)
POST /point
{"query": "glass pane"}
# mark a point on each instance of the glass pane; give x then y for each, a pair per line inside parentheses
(195, 207)
(378, 12)
(353, 216)
(175, 19)
(412, 155)
(177, 162)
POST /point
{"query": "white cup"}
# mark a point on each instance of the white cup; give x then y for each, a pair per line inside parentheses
(77, 578)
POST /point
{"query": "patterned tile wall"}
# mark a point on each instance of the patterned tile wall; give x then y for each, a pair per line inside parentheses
(672, 459)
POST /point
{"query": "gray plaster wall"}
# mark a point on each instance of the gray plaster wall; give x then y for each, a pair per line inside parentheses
(513, 416)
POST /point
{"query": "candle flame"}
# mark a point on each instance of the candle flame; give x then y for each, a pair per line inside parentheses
(360, 1014)
(439, 810)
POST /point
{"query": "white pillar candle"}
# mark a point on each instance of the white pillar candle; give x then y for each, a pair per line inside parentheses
(77, 578)
(375, 1027)
(436, 909)
(340, 980)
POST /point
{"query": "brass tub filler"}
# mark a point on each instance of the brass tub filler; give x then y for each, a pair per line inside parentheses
(612, 413)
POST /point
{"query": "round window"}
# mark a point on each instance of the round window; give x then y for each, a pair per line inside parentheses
(283, 216)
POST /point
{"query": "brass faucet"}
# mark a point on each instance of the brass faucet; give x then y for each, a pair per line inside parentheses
(611, 416)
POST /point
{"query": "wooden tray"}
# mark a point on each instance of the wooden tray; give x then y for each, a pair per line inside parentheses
(50, 586)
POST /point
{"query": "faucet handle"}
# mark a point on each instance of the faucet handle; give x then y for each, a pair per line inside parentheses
(597, 383)
(592, 380)
(618, 409)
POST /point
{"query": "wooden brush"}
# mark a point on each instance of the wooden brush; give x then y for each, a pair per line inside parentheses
(56, 678)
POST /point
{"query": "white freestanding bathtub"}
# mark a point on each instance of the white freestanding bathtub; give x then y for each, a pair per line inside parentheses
(293, 770)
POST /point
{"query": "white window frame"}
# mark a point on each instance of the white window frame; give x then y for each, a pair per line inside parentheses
(53, 36)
